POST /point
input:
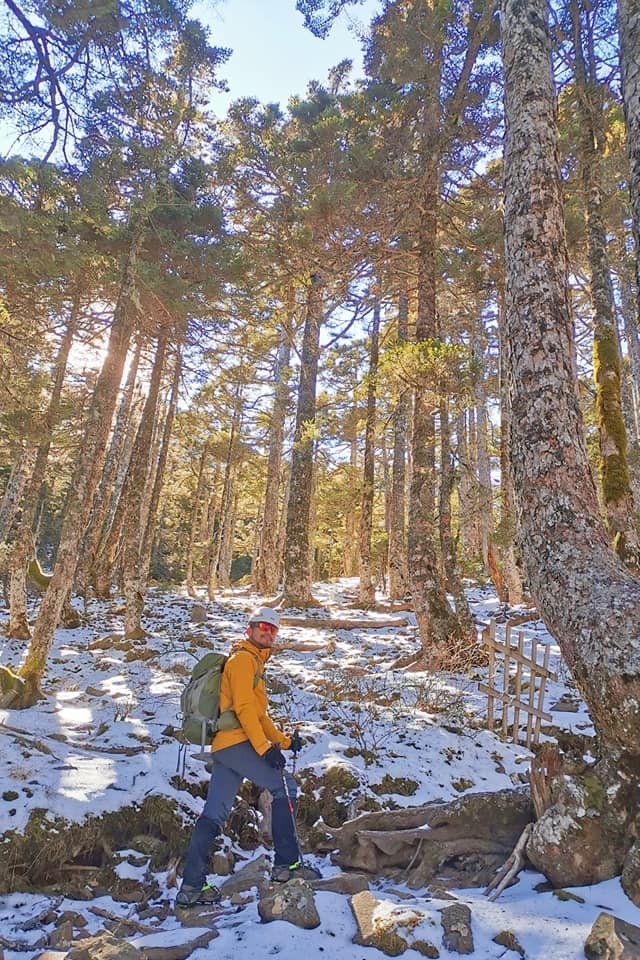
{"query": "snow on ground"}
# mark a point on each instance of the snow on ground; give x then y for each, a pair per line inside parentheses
(99, 742)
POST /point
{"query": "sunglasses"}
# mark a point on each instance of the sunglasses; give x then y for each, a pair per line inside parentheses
(261, 625)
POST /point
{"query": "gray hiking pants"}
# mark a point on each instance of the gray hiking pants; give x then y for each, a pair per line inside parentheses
(230, 767)
(233, 765)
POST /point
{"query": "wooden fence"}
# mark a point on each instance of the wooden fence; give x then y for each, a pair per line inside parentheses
(523, 686)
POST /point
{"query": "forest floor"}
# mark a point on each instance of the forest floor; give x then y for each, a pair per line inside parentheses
(100, 742)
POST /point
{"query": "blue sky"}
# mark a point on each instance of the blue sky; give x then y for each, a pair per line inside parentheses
(274, 56)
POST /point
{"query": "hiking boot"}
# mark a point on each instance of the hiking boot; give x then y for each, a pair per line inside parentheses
(282, 872)
(195, 896)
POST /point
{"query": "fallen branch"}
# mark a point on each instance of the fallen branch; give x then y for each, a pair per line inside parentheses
(326, 623)
(512, 867)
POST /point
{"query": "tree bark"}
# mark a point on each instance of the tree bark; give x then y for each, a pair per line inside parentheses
(367, 593)
(629, 33)
(441, 633)
(14, 490)
(511, 576)
(195, 510)
(268, 564)
(586, 596)
(133, 493)
(158, 479)
(399, 584)
(86, 473)
(614, 470)
(24, 548)
(297, 567)
(226, 501)
(447, 543)
(113, 474)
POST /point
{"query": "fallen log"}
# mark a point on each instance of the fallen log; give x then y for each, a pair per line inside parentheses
(327, 623)
(466, 839)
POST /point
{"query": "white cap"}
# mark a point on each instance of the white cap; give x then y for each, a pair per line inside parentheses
(265, 615)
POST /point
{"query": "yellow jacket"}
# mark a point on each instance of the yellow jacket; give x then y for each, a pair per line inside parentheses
(249, 702)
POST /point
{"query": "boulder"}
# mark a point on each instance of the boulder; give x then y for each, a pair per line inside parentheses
(630, 878)
(508, 939)
(104, 946)
(374, 930)
(61, 935)
(347, 883)
(582, 838)
(456, 926)
(292, 901)
(251, 875)
(198, 613)
(612, 939)
(174, 944)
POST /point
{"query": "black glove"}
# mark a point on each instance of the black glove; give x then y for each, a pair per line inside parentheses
(275, 757)
(297, 742)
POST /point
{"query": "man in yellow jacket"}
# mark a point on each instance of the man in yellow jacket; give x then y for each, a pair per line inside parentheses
(247, 745)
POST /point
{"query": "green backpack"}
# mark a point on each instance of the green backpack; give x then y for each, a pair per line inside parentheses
(200, 700)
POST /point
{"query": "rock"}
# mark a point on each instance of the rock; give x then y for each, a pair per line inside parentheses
(75, 918)
(47, 955)
(222, 863)
(630, 878)
(612, 939)
(203, 916)
(106, 643)
(456, 924)
(347, 883)
(174, 944)
(582, 838)
(136, 654)
(198, 613)
(61, 935)
(95, 692)
(508, 939)
(251, 875)
(565, 705)
(375, 931)
(426, 948)
(292, 901)
(105, 947)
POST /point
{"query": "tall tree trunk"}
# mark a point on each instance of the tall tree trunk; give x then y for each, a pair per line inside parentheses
(113, 473)
(195, 516)
(441, 633)
(511, 576)
(467, 511)
(24, 548)
(351, 562)
(226, 501)
(367, 587)
(447, 543)
(399, 584)
(86, 473)
(228, 532)
(629, 33)
(268, 564)
(586, 596)
(297, 568)
(20, 471)
(151, 516)
(484, 498)
(133, 494)
(614, 471)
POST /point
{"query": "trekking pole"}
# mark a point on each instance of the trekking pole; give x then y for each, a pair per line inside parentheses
(293, 815)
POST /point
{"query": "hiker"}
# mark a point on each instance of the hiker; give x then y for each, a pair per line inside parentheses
(247, 745)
